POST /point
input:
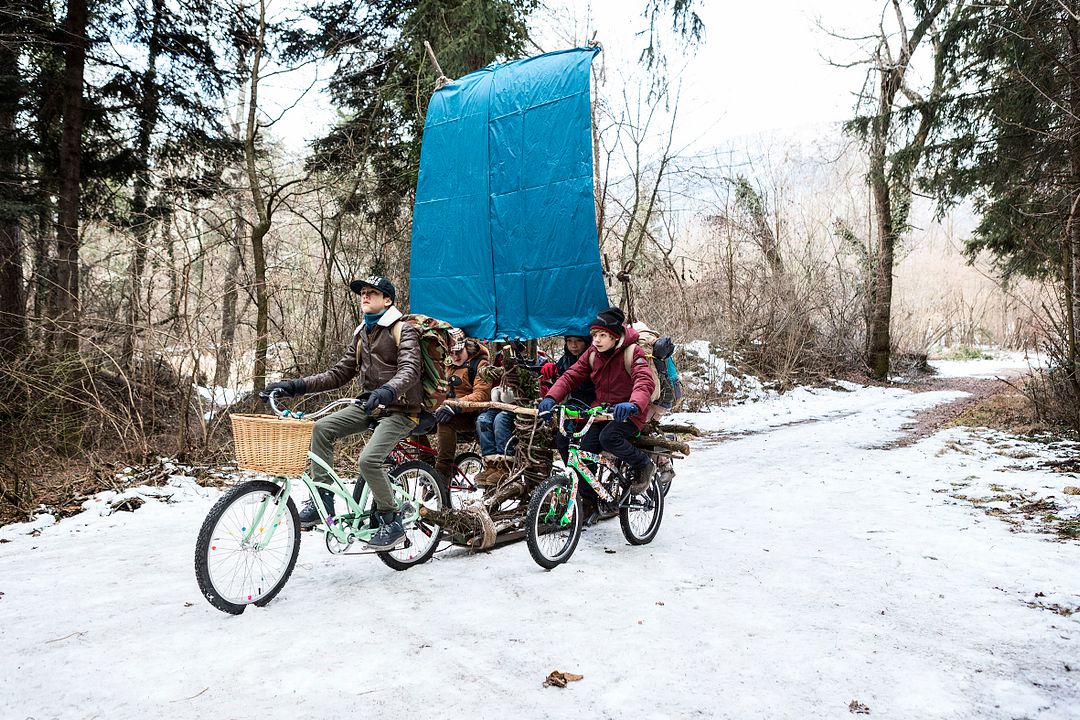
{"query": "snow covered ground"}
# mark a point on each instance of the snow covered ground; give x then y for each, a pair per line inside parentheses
(1002, 364)
(800, 569)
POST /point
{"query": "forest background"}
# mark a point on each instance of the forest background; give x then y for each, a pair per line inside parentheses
(186, 187)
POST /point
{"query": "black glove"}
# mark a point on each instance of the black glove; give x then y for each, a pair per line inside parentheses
(545, 408)
(624, 410)
(444, 414)
(382, 396)
(284, 388)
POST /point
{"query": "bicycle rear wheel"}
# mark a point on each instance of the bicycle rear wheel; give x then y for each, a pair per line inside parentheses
(423, 486)
(551, 543)
(232, 573)
(640, 515)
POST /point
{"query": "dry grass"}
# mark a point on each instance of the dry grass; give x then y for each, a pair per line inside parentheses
(1010, 412)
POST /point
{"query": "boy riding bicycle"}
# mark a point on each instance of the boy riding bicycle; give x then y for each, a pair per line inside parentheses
(627, 392)
(389, 373)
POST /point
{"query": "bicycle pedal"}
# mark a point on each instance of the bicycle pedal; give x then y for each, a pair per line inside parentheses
(365, 549)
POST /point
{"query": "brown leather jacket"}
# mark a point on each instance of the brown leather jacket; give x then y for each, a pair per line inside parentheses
(480, 389)
(382, 362)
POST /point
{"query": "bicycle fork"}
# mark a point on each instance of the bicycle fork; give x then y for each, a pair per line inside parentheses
(281, 500)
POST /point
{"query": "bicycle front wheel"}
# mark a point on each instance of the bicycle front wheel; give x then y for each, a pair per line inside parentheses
(640, 515)
(232, 567)
(422, 486)
(551, 542)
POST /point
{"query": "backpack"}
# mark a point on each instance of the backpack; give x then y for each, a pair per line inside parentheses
(628, 360)
(434, 349)
(666, 386)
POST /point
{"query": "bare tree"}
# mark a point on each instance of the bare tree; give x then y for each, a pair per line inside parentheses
(895, 146)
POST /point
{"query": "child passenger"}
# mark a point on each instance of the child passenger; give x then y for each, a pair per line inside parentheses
(574, 346)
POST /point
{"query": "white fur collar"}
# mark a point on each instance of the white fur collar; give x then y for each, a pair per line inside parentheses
(388, 318)
(391, 316)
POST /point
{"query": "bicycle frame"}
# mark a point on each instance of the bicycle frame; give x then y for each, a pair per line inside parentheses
(575, 461)
(351, 525)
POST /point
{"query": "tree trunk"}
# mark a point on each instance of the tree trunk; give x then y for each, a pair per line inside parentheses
(878, 333)
(1072, 234)
(228, 308)
(328, 286)
(148, 117)
(174, 278)
(43, 269)
(881, 308)
(262, 225)
(598, 188)
(66, 296)
(12, 295)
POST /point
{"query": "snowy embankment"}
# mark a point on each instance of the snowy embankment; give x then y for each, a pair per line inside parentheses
(800, 568)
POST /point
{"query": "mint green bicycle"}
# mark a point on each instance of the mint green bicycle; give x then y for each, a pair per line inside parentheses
(554, 519)
(248, 544)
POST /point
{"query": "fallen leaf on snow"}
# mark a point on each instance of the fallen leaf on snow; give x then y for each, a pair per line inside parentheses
(558, 678)
(130, 504)
(660, 603)
(1072, 490)
(857, 708)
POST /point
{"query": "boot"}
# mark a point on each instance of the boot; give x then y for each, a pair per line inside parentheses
(390, 532)
(492, 469)
(492, 478)
(666, 473)
(310, 516)
(642, 478)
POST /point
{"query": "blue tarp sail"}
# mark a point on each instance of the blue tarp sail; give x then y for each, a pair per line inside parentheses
(504, 227)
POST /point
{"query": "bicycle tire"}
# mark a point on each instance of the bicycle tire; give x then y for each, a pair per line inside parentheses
(537, 530)
(463, 462)
(437, 498)
(219, 532)
(640, 521)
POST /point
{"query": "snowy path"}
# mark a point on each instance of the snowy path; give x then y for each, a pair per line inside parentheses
(797, 569)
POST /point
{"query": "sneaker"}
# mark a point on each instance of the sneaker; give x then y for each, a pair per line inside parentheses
(390, 531)
(642, 478)
(310, 515)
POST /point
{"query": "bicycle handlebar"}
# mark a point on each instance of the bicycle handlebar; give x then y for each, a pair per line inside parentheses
(286, 413)
(594, 414)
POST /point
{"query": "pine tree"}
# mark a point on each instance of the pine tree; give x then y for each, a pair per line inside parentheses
(1014, 145)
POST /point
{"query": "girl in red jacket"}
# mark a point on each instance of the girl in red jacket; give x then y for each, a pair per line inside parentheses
(627, 393)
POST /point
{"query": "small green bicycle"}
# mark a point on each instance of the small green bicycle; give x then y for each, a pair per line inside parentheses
(553, 523)
(248, 544)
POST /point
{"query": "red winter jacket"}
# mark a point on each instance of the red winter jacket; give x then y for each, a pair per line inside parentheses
(608, 374)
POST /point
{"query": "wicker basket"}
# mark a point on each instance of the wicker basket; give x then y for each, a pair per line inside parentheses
(277, 446)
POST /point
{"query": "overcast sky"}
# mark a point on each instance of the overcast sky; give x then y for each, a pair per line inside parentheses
(761, 68)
